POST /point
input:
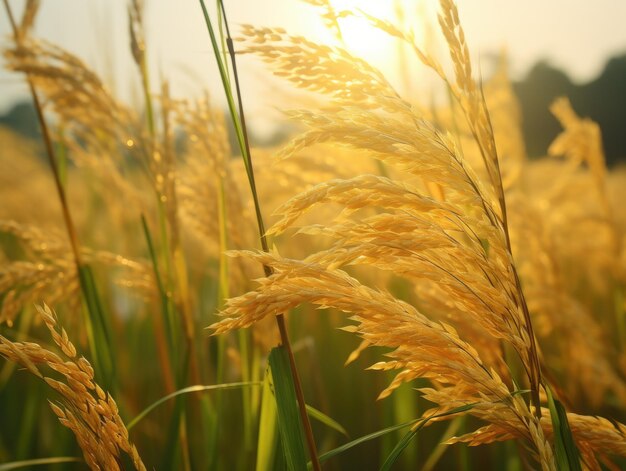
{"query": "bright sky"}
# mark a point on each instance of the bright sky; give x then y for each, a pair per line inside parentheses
(576, 35)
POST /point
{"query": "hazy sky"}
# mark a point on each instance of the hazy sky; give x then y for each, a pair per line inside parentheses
(576, 35)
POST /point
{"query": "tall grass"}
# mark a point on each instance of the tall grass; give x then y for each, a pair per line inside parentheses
(485, 290)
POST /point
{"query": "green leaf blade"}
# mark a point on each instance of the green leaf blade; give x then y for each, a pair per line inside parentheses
(289, 424)
(566, 451)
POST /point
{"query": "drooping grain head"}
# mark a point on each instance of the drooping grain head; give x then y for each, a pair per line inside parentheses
(83, 407)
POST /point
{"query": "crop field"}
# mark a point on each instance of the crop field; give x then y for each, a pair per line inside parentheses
(394, 284)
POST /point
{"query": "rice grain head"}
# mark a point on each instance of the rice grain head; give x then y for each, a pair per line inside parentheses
(88, 411)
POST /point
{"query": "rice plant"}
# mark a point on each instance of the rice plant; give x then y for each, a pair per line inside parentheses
(213, 305)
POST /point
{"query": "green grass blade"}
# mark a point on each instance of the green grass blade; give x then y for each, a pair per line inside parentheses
(323, 418)
(289, 425)
(363, 439)
(566, 451)
(220, 27)
(267, 441)
(166, 304)
(39, 462)
(187, 390)
(227, 87)
(102, 348)
(421, 421)
(399, 448)
(440, 449)
(402, 444)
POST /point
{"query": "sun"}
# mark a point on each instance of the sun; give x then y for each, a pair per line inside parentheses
(390, 55)
(360, 37)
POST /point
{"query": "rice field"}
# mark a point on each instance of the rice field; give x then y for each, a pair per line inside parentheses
(395, 286)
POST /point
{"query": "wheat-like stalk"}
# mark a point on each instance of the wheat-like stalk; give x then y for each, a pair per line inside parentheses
(49, 271)
(84, 407)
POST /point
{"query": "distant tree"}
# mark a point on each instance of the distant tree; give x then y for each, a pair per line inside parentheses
(603, 100)
(22, 119)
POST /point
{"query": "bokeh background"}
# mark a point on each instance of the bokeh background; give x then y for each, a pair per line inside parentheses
(562, 47)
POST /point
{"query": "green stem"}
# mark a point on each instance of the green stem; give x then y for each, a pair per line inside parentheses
(242, 137)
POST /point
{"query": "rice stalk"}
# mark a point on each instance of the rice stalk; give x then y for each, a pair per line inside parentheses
(97, 325)
(242, 134)
(87, 410)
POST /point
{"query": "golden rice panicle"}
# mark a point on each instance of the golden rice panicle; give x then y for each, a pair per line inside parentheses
(421, 348)
(84, 104)
(462, 247)
(471, 98)
(84, 407)
(459, 52)
(381, 319)
(574, 345)
(472, 101)
(124, 195)
(324, 69)
(135, 26)
(581, 142)
(581, 193)
(566, 191)
(414, 148)
(597, 438)
(506, 116)
(209, 184)
(76, 94)
(25, 182)
(448, 252)
(206, 170)
(49, 271)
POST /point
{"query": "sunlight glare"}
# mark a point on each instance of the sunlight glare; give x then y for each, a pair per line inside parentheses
(377, 47)
(360, 37)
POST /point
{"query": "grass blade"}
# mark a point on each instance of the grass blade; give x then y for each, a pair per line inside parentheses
(402, 444)
(440, 449)
(399, 448)
(268, 433)
(566, 451)
(289, 425)
(187, 390)
(98, 327)
(363, 439)
(326, 420)
(421, 421)
(39, 462)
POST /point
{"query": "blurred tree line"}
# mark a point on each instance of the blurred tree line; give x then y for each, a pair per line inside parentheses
(603, 100)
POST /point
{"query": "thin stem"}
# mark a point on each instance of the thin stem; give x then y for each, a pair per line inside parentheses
(69, 224)
(280, 318)
(96, 326)
(535, 367)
